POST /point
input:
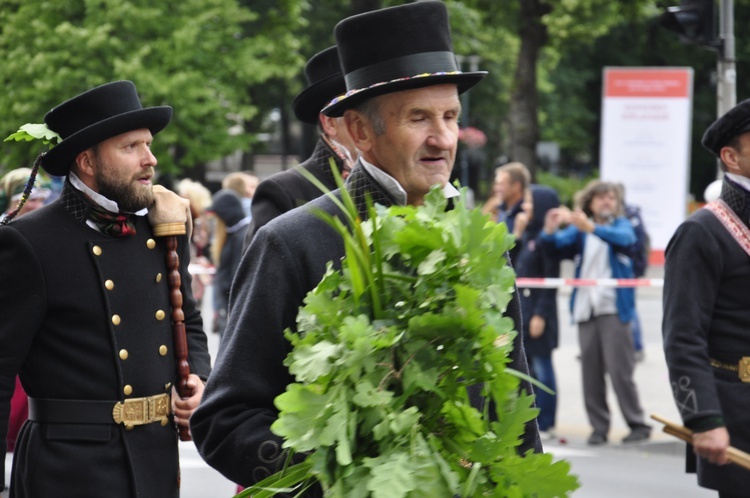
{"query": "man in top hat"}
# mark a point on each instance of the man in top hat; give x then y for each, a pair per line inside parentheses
(707, 314)
(87, 311)
(289, 189)
(402, 110)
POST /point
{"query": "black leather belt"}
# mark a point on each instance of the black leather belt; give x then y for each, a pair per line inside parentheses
(131, 412)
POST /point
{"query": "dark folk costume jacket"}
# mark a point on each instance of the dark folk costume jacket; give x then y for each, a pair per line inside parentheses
(707, 318)
(86, 317)
(285, 261)
(286, 190)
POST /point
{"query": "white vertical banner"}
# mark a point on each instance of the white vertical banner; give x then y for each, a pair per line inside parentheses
(645, 143)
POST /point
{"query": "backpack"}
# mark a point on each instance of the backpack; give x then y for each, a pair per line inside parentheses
(640, 251)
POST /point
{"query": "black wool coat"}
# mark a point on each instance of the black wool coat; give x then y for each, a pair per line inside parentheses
(707, 316)
(86, 315)
(286, 190)
(286, 260)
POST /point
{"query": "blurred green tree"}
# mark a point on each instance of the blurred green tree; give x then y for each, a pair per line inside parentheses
(200, 56)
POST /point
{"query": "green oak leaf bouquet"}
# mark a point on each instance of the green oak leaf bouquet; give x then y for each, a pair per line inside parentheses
(385, 350)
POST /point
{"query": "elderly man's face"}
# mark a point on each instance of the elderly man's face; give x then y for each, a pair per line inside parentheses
(418, 147)
(123, 169)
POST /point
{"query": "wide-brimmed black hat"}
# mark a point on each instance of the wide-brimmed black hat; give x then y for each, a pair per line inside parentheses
(394, 49)
(94, 116)
(324, 83)
(735, 122)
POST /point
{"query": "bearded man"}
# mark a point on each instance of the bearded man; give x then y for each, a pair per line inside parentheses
(599, 238)
(86, 312)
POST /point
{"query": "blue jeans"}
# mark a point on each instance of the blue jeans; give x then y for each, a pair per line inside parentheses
(540, 367)
(635, 327)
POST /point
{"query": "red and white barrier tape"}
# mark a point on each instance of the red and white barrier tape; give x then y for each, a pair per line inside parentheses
(554, 283)
(201, 269)
(531, 283)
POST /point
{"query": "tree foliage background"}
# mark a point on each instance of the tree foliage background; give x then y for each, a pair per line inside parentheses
(225, 65)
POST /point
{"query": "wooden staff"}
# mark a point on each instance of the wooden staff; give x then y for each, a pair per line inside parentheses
(736, 456)
(171, 231)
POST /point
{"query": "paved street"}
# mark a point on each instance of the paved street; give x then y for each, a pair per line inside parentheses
(652, 469)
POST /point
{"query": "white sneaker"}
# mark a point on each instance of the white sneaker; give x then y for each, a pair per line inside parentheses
(548, 435)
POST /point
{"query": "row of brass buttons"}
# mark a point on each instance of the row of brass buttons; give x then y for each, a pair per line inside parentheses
(163, 350)
(116, 320)
(97, 250)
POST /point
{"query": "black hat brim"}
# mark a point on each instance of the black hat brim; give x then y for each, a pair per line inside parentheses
(310, 101)
(58, 160)
(464, 81)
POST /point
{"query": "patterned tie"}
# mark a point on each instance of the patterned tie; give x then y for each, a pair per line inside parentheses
(114, 224)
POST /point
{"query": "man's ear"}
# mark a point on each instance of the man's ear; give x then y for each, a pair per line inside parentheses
(359, 129)
(730, 158)
(327, 124)
(85, 162)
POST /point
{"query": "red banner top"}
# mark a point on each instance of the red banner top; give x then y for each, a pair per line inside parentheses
(647, 83)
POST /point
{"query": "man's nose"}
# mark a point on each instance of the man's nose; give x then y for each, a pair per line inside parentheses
(442, 135)
(149, 159)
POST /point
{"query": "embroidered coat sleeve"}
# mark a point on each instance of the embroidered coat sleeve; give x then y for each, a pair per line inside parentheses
(692, 276)
(232, 426)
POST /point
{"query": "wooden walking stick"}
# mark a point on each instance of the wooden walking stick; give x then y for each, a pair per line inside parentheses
(170, 230)
(736, 456)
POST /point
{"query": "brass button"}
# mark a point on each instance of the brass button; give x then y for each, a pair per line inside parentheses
(128, 390)
(150, 243)
(163, 350)
(160, 315)
(123, 354)
(116, 319)
(109, 284)
(129, 427)
(158, 278)
(164, 421)
(96, 250)
(167, 386)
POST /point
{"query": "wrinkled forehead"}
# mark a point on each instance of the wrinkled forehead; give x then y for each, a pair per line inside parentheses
(434, 97)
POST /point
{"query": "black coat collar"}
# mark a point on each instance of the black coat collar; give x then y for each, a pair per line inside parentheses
(736, 198)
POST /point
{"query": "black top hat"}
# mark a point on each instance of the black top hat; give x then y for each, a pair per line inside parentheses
(394, 49)
(723, 130)
(324, 80)
(94, 116)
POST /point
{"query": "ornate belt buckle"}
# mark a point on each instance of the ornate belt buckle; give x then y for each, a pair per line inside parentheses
(159, 407)
(744, 369)
(131, 413)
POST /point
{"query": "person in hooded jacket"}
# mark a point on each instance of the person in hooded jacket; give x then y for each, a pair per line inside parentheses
(539, 306)
(226, 249)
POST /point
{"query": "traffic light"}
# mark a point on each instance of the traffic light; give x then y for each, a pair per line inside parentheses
(693, 20)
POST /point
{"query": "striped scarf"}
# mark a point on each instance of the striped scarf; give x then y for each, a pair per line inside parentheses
(114, 224)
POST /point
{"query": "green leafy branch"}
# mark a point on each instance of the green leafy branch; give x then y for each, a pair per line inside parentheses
(385, 348)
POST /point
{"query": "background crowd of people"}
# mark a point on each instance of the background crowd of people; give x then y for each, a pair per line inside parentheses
(607, 239)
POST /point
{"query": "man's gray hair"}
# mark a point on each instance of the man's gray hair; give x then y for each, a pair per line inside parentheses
(370, 108)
